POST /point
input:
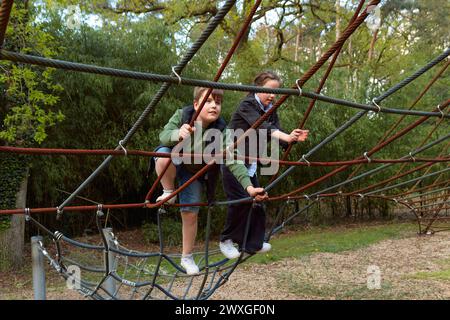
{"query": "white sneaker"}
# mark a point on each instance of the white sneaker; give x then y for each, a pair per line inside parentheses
(265, 248)
(229, 250)
(165, 194)
(188, 263)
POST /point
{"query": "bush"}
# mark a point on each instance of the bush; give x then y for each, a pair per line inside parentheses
(171, 232)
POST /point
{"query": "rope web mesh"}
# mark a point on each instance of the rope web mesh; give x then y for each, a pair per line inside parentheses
(111, 270)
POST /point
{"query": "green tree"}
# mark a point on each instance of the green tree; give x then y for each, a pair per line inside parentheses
(29, 96)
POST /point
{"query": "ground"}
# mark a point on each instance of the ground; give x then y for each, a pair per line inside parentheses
(330, 263)
(410, 269)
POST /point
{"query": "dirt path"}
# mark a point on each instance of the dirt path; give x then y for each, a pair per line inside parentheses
(344, 275)
(318, 276)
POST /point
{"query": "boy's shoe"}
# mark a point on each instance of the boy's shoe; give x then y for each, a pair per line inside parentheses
(188, 263)
(229, 250)
(265, 248)
(165, 194)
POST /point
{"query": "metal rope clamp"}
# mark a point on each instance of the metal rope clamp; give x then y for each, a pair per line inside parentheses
(114, 238)
(300, 91)
(306, 160)
(123, 148)
(43, 250)
(367, 157)
(27, 214)
(412, 157)
(442, 112)
(100, 210)
(59, 213)
(58, 235)
(176, 74)
(256, 203)
(376, 105)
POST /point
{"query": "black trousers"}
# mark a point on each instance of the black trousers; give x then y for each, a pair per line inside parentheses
(237, 215)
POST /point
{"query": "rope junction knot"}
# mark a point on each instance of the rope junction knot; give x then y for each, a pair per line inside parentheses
(442, 112)
(300, 91)
(176, 74)
(100, 210)
(123, 148)
(306, 160)
(59, 212)
(290, 200)
(27, 214)
(376, 105)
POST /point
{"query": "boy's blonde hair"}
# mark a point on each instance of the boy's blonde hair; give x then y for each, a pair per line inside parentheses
(199, 91)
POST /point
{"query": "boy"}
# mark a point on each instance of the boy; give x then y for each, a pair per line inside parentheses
(177, 129)
(250, 109)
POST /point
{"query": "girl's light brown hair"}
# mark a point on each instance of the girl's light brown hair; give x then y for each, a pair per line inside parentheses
(263, 77)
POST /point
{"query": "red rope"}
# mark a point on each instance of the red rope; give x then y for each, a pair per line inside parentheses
(419, 97)
(431, 186)
(81, 152)
(399, 175)
(5, 12)
(369, 153)
(320, 87)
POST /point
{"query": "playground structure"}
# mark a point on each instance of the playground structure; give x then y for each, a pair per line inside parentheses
(129, 274)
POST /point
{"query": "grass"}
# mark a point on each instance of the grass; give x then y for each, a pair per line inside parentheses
(336, 290)
(332, 240)
(443, 274)
(331, 286)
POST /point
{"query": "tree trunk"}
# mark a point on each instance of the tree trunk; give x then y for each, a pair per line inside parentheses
(348, 203)
(12, 239)
(338, 20)
(372, 45)
(298, 40)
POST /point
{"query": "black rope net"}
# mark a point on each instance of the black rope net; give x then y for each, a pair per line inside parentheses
(113, 271)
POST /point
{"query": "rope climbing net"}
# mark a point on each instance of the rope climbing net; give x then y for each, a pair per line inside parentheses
(117, 272)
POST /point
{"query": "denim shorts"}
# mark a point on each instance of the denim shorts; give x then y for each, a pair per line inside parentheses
(162, 150)
(193, 192)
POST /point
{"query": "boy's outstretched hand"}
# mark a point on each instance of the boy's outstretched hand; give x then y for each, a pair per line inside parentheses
(258, 193)
(185, 131)
(299, 135)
